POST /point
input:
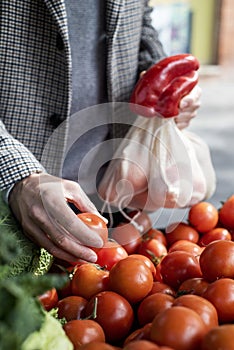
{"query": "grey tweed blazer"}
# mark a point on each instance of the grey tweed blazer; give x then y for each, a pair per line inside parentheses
(35, 72)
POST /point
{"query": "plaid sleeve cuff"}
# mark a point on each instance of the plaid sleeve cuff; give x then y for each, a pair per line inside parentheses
(16, 162)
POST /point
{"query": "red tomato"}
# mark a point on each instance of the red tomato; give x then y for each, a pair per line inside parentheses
(221, 294)
(128, 236)
(141, 345)
(196, 285)
(202, 306)
(49, 299)
(186, 246)
(220, 337)
(65, 291)
(83, 331)
(97, 345)
(114, 314)
(178, 266)
(131, 278)
(142, 333)
(158, 276)
(217, 261)
(160, 287)
(181, 230)
(96, 223)
(157, 234)
(203, 216)
(88, 280)
(142, 219)
(152, 248)
(218, 233)
(226, 213)
(151, 305)
(71, 307)
(146, 260)
(178, 327)
(110, 254)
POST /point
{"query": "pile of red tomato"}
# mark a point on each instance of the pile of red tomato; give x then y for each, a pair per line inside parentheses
(152, 290)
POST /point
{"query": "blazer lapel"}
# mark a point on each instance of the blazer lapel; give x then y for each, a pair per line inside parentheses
(113, 14)
(58, 11)
(114, 10)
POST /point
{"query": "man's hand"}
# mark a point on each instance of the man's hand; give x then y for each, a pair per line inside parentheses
(188, 108)
(39, 202)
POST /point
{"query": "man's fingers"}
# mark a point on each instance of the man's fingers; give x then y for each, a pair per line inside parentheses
(192, 100)
(59, 245)
(69, 223)
(75, 195)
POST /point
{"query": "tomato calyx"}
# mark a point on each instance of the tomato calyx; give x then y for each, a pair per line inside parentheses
(155, 259)
(69, 272)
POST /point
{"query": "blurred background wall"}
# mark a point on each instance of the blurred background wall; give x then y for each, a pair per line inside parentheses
(204, 28)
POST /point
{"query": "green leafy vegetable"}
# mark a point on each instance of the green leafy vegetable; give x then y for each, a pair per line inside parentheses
(23, 276)
(17, 253)
(21, 312)
(51, 336)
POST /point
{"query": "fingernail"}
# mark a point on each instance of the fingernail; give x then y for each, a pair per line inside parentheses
(92, 258)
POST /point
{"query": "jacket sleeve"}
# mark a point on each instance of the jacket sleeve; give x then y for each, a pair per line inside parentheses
(151, 49)
(16, 161)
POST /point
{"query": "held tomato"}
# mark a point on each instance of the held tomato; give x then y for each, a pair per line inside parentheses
(178, 327)
(114, 314)
(96, 223)
(83, 331)
(181, 230)
(204, 308)
(72, 307)
(128, 236)
(49, 299)
(217, 260)
(131, 278)
(178, 266)
(220, 337)
(110, 254)
(203, 216)
(221, 294)
(88, 280)
(226, 213)
(151, 305)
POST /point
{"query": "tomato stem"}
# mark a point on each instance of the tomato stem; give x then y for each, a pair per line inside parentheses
(93, 315)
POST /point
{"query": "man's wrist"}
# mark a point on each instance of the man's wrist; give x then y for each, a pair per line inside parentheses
(6, 193)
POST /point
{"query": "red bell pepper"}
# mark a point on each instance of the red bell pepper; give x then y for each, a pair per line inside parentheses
(160, 89)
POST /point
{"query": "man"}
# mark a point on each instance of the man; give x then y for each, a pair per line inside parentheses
(42, 44)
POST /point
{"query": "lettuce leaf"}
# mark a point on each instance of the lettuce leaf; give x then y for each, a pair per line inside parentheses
(51, 336)
(17, 253)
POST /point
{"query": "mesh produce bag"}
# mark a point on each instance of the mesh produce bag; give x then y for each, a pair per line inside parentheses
(157, 165)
